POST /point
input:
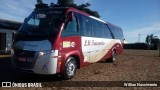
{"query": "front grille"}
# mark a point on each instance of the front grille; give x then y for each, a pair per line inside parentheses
(27, 65)
(29, 57)
(24, 53)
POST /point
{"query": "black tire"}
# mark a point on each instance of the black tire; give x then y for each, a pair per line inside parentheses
(70, 68)
(113, 57)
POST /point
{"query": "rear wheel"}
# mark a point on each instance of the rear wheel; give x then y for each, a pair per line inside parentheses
(70, 68)
(113, 57)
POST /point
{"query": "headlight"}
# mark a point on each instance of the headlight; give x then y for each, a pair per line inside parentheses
(41, 53)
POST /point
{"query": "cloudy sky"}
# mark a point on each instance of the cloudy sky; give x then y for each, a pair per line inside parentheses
(134, 16)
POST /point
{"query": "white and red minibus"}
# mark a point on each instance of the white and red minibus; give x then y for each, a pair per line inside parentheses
(57, 40)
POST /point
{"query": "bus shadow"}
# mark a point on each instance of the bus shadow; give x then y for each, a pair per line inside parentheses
(105, 61)
(8, 74)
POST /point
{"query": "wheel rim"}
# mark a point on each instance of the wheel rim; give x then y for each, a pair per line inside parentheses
(71, 68)
(114, 56)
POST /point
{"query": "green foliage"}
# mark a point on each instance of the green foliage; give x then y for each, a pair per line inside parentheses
(65, 2)
(152, 41)
(82, 7)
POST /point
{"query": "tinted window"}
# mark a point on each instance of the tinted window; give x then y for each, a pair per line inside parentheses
(107, 32)
(82, 24)
(117, 32)
(34, 22)
(42, 23)
(71, 28)
(92, 28)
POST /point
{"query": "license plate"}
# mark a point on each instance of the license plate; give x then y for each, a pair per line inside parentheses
(22, 59)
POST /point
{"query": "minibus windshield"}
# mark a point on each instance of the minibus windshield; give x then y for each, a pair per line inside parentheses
(42, 23)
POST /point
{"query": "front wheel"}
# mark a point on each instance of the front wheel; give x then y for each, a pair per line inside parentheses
(70, 68)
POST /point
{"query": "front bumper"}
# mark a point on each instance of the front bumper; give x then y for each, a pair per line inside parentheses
(46, 64)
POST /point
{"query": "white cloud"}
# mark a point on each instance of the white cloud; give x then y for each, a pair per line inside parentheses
(16, 10)
(9, 17)
(132, 36)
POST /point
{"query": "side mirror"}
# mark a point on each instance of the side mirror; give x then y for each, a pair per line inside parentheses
(70, 16)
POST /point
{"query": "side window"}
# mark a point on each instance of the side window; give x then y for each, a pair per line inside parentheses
(111, 28)
(96, 28)
(34, 22)
(82, 25)
(88, 29)
(72, 26)
(107, 31)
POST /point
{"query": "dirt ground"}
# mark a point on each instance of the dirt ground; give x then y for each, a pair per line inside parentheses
(132, 65)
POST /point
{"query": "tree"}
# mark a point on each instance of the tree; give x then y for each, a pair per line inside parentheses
(152, 41)
(68, 3)
(82, 7)
(65, 2)
(147, 39)
(40, 5)
(39, 1)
